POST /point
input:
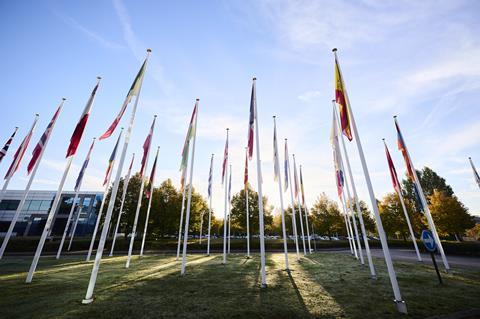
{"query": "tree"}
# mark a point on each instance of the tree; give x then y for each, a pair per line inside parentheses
(450, 215)
(430, 181)
(393, 217)
(368, 221)
(326, 217)
(239, 216)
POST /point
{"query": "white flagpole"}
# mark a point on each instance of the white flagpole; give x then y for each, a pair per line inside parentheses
(475, 174)
(229, 209)
(279, 177)
(348, 229)
(407, 219)
(373, 273)
(189, 200)
(298, 205)
(72, 235)
(201, 227)
(98, 257)
(48, 224)
(139, 202)
(148, 212)
(348, 213)
(305, 211)
(25, 193)
(430, 221)
(181, 221)
(225, 221)
(100, 211)
(294, 222)
(124, 194)
(15, 162)
(247, 212)
(400, 303)
(260, 194)
(210, 208)
(70, 215)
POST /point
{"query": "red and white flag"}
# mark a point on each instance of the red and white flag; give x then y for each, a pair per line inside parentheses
(17, 158)
(152, 176)
(37, 151)
(225, 160)
(82, 123)
(4, 150)
(251, 122)
(146, 147)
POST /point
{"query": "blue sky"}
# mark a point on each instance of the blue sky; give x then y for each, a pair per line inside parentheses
(419, 60)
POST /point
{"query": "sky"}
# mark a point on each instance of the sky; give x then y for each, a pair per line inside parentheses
(419, 60)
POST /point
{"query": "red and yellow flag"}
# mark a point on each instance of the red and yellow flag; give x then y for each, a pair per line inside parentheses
(340, 98)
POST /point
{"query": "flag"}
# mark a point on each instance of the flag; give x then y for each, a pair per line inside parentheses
(301, 187)
(152, 176)
(42, 143)
(245, 173)
(337, 157)
(4, 150)
(84, 167)
(276, 169)
(210, 178)
(190, 134)
(146, 147)
(295, 178)
(251, 122)
(393, 172)
(134, 90)
(475, 173)
(403, 148)
(286, 165)
(17, 158)
(225, 160)
(230, 184)
(131, 164)
(111, 160)
(340, 98)
(78, 132)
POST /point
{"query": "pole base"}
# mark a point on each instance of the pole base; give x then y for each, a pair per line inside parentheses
(287, 270)
(263, 286)
(374, 277)
(401, 306)
(87, 301)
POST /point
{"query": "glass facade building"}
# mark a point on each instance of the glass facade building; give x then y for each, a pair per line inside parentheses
(34, 214)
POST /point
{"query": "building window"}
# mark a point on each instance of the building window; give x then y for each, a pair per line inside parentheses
(45, 205)
(35, 205)
(9, 204)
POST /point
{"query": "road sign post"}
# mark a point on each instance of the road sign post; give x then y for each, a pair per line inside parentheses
(431, 246)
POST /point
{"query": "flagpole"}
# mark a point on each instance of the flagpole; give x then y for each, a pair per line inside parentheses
(18, 158)
(346, 227)
(430, 221)
(25, 192)
(189, 200)
(72, 235)
(148, 210)
(126, 181)
(305, 213)
(400, 303)
(475, 174)
(210, 208)
(229, 208)
(348, 213)
(201, 227)
(294, 222)
(181, 221)
(260, 193)
(225, 211)
(139, 201)
(247, 210)
(279, 177)
(70, 215)
(100, 211)
(373, 273)
(300, 213)
(93, 277)
(407, 218)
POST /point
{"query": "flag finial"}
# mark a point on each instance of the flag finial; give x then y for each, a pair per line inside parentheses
(395, 116)
(254, 78)
(37, 115)
(99, 77)
(155, 116)
(64, 98)
(94, 138)
(383, 139)
(286, 139)
(469, 157)
(197, 99)
(121, 128)
(274, 116)
(227, 128)
(334, 50)
(149, 50)
(334, 100)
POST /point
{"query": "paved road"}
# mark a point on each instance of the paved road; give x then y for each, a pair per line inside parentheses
(409, 255)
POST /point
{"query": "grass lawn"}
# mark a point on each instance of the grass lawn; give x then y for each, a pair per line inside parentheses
(323, 285)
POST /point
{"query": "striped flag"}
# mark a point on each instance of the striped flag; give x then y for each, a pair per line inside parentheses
(131, 164)
(286, 165)
(225, 160)
(340, 98)
(111, 160)
(4, 150)
(337, 157)
(17, 158)
(210, 178)
(84, 167)
(78, 132)
(186, 144)
(230, 184)
(393, 172)
(295, 177)
(276, 169)
(245, 173)
(475, 173)
(134, 90)
(146, 147)
(152, 176)
(42, 143)
(402, 147)
(301, 187)
(251, 122)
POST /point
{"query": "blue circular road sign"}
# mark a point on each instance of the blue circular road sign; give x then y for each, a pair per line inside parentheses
(428, 240)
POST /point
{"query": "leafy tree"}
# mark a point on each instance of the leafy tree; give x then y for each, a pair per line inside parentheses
(239, 216)
(450, 215)
(326, 217)
(368, 221)
(393, 217)
(430, 181)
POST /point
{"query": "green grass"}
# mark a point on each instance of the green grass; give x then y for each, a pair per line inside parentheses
(323, 285)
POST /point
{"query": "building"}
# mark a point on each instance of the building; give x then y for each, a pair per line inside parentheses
(34, 214)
